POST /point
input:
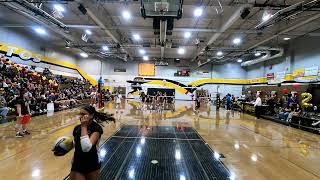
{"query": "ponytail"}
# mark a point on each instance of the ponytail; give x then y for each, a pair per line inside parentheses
(99, 117)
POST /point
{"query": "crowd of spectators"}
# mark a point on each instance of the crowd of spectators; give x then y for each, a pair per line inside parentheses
(283, 107)
(41, 88)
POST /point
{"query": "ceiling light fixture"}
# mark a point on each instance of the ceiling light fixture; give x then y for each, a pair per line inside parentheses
(236, 41)
(136, 37)
(187, 34)
(266, 17)
(87, 31)
(219, 53)
(40, 30)
(286, 38)
(257, 54)
(197, 12)
(105, 48)
(126, 14)
(83, 54)
(142, 51)
(58, 7)
(239, 60)
(181, 51)
(145, 58)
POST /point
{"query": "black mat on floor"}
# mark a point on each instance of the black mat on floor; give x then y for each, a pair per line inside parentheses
(179, 153)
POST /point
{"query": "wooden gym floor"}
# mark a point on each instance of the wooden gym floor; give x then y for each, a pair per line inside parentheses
(252, 149)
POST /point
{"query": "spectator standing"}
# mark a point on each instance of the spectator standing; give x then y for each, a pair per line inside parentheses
(228, 102)
(22, 109)
(257, 105)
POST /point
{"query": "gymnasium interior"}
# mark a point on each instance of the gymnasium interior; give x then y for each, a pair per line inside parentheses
(189, 89)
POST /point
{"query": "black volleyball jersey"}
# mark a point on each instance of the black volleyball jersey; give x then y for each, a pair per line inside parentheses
(90, 157)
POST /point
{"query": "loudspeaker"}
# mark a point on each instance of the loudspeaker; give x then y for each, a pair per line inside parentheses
(245, 13)
(82, 9)
(170, 24)
(156, 23)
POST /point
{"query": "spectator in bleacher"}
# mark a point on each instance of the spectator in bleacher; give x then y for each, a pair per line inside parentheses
(284, 112)
(42, 87)
(233, 101)
(3, 105)
(294, 113)
(291, 100)
(271, 103)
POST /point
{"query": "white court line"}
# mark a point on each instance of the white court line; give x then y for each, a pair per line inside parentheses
(124, 137)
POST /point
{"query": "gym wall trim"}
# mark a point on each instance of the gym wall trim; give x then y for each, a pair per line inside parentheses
(9, 50)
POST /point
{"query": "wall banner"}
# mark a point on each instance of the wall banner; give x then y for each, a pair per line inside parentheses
(281, 75)
(306, 74)
(298, 72)
(119, 70)
(278, 77)
(13, 51)
(270, 76)
(145, 69)
(311, 71)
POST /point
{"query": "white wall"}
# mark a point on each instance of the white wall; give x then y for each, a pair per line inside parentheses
(92, 67)
(32, 44)
(229, 71)
(306, 52)
(301, 53)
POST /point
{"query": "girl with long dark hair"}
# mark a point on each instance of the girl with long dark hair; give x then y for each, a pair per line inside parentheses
(86, 163)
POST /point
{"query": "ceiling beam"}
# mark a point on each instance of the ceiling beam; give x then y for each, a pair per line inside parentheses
(192, 3)
(232, 19)
(286, 30)
(177, 29)
(91, 12)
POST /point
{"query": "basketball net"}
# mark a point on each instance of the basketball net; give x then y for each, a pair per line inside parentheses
(161, 7)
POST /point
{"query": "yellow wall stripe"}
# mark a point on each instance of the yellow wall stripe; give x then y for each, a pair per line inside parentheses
(288, 77)
(168, 84)
(228, 81)
(21, 51)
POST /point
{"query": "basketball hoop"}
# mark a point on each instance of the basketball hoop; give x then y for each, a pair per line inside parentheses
(161, 7)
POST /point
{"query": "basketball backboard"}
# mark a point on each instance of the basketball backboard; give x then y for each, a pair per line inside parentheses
(161, 8)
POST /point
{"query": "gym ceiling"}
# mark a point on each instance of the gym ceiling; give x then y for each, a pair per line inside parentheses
(208, 31)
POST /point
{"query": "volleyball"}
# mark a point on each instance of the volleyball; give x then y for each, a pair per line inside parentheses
(63, 145)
